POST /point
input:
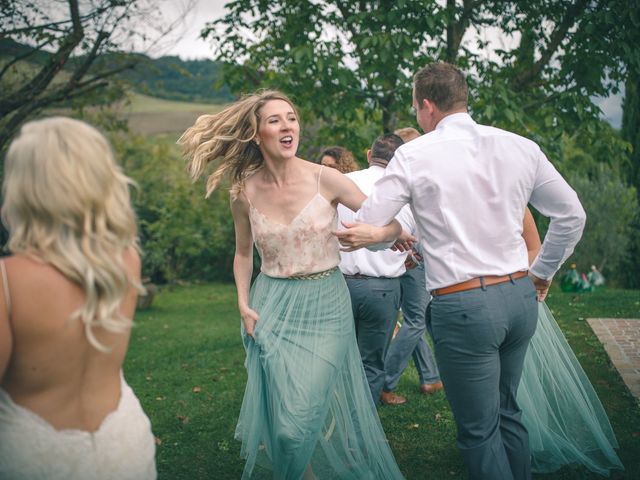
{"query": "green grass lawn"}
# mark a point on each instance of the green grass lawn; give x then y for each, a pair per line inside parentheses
(186, 364)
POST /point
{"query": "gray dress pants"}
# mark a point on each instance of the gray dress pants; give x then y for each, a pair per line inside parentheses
(410, 339)
(375, 303)
(481, 338)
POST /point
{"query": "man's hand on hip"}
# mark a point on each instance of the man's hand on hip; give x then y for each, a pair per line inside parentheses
(542, 286)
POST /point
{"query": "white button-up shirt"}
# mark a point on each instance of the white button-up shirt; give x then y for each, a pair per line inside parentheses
(381, 263)
(468, 186)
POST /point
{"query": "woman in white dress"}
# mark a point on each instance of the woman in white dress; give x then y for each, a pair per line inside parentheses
(66, 305)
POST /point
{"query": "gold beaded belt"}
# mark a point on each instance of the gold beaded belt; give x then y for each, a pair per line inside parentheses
(314, 276)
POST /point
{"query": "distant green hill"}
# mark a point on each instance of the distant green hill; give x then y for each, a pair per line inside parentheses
(174, 79)
(166, 77)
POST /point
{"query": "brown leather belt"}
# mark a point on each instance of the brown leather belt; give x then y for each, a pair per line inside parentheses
(478, 282)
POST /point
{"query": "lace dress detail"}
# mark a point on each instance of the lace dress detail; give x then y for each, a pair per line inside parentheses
(303, 246)
(122, 448)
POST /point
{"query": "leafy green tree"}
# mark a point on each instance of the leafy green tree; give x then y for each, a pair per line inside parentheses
(340, 59)
(175, 79)
(349, 64)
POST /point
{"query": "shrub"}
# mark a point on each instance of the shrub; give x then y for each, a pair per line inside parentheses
(183, 236)
(611, 207)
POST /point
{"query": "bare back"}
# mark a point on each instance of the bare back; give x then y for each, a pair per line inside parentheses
(53, 370)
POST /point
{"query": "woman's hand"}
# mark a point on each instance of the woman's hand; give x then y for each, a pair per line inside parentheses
(404, 243)
(357, 235)
(249, 319)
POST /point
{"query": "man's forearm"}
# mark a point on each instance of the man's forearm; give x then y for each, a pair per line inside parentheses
(559, 242)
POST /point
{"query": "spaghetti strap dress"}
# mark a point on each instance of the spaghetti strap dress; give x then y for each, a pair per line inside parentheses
(307, 411)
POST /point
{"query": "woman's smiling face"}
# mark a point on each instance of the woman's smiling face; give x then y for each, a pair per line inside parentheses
(278, 131)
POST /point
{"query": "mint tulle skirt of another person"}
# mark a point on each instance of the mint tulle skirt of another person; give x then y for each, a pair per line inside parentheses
(307, 410)
(565, 419)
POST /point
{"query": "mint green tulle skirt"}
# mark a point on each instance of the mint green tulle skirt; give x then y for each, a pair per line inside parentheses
(307, 406)
(560, 409)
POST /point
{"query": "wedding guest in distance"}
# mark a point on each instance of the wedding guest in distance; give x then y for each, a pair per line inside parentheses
(339, 158)
(409, 341)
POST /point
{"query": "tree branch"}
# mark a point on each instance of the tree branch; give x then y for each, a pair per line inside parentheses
(18, 58)
(105, 74)
(40, 82)
(527, 76)
(82, 69)
(456, 30)
(54, 25)
(9, 129)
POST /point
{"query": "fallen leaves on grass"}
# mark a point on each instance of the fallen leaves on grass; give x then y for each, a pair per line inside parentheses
(183, 418)
(196, 389)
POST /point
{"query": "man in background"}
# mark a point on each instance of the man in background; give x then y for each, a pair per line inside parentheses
(373, 277)
(409, 341)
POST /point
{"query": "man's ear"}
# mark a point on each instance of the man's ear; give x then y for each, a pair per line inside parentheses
(429, 105)
(369, 156)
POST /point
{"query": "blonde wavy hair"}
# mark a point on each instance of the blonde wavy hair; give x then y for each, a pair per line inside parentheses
(228, 137)
(67, 203)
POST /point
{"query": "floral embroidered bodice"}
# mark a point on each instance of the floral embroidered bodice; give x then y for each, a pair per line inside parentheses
(305, 245)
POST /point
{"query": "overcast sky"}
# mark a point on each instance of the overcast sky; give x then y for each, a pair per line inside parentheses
(185, 41)
(187, 44)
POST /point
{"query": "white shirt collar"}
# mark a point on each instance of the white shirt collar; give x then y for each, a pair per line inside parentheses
(462, 117)
(377, 166)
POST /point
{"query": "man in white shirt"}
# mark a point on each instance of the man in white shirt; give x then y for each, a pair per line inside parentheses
(373, 278)
(468, 186)
(410, 341)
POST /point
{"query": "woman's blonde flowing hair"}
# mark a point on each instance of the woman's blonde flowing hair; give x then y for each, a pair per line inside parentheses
(228, 137)
(66, 203)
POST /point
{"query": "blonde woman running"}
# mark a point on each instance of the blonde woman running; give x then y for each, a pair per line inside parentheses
(307, 411)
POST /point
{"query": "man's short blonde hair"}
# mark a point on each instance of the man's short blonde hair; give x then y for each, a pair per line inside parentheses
(407, 134)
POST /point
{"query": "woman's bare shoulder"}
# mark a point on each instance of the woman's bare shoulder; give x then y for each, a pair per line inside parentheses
(31, 265)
